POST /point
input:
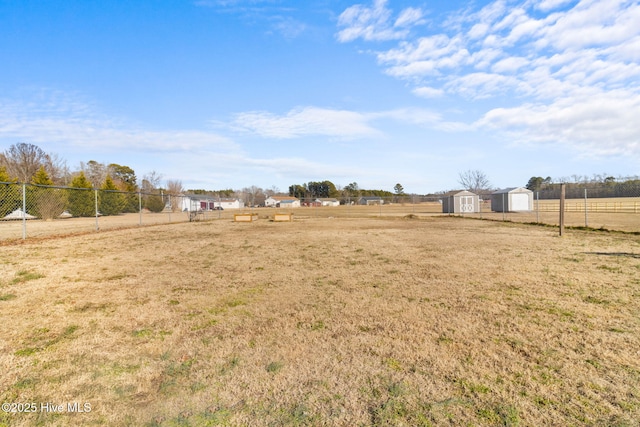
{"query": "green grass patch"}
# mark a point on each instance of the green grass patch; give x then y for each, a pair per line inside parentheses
(274, 367)
(25, 276)
(142, 333)
(42, 339)
(595, 300)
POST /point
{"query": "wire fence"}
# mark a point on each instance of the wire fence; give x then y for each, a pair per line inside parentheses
(28, 210)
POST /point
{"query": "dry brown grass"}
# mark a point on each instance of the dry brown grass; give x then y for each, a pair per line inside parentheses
(436, 321)
(621, 214)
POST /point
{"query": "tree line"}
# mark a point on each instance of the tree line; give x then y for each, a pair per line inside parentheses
(327, 189)
(28, 163)
(597, 186)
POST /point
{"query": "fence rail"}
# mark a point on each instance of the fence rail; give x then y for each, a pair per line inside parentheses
(28, 210)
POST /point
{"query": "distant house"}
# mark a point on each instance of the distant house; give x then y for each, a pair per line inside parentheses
(199, 202)
(514, 199)
(371, 201)
(282, 202)
(229, 203)
(460, 202)
(327, 202)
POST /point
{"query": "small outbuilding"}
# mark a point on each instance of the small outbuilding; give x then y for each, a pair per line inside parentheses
(514, 199)
(282, 202)
(371, 200)
(460, 202)
(229, 203)
(327, 202)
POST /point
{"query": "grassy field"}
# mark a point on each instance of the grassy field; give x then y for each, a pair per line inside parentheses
(620, 214)
(343, 321)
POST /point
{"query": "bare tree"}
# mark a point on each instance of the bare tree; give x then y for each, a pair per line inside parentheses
(254, 195)
(95, 172)
(151, 181)
(475, 181)
(23, 160)
(271, 191)
(58, 170)
(174, 190)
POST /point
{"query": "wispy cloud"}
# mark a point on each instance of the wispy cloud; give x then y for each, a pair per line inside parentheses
(336, 124)
(304, 122)
(572, 65)
(375, 22)
(602, 124)
(52, 117)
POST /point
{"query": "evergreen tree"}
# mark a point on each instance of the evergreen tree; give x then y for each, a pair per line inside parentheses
(154, 202)
(125, 180)
(42, 201)
(10, 194)
(4, 176)
(110, 201)
(81, 199)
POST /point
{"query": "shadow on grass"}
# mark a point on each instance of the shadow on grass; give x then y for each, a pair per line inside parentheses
(616, 254)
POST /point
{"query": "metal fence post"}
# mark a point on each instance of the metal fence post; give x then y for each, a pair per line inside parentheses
(96, 205)
(140, 206)
(586, 218)
(170, 206)
(503, 210)
(24, 211)
(537, 206)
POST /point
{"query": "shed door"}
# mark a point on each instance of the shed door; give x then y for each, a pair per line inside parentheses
(519, 202)
(466, 204)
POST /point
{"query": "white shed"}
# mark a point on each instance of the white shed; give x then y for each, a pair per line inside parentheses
(327, 202)
(282, 201)
(229, 203)
(514, 199)
(460, 202)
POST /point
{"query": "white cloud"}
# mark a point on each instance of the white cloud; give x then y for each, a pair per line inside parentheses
(338, 124)
(428, 92)
(374, 23)
(304, 122)
(409, 17)
(547, 5)
(603, 124)
(509, 65)
(288, 27)
(573, 66)
(55, 118)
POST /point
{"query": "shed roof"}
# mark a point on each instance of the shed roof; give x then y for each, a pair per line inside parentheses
(459, 192)
(513, 190)
(283, 198)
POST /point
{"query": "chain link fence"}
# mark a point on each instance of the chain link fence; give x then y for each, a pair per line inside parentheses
(28, 210)
(585, 206)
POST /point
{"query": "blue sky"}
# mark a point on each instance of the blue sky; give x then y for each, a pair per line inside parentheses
(234, 93)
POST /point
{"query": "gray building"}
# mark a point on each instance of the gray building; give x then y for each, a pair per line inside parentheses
(372, 200)
(460, 202)
(514, 199)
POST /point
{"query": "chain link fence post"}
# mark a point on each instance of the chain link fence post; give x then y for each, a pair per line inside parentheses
(24, 211)
(96, 205)
(586, 217)
(140, 207)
